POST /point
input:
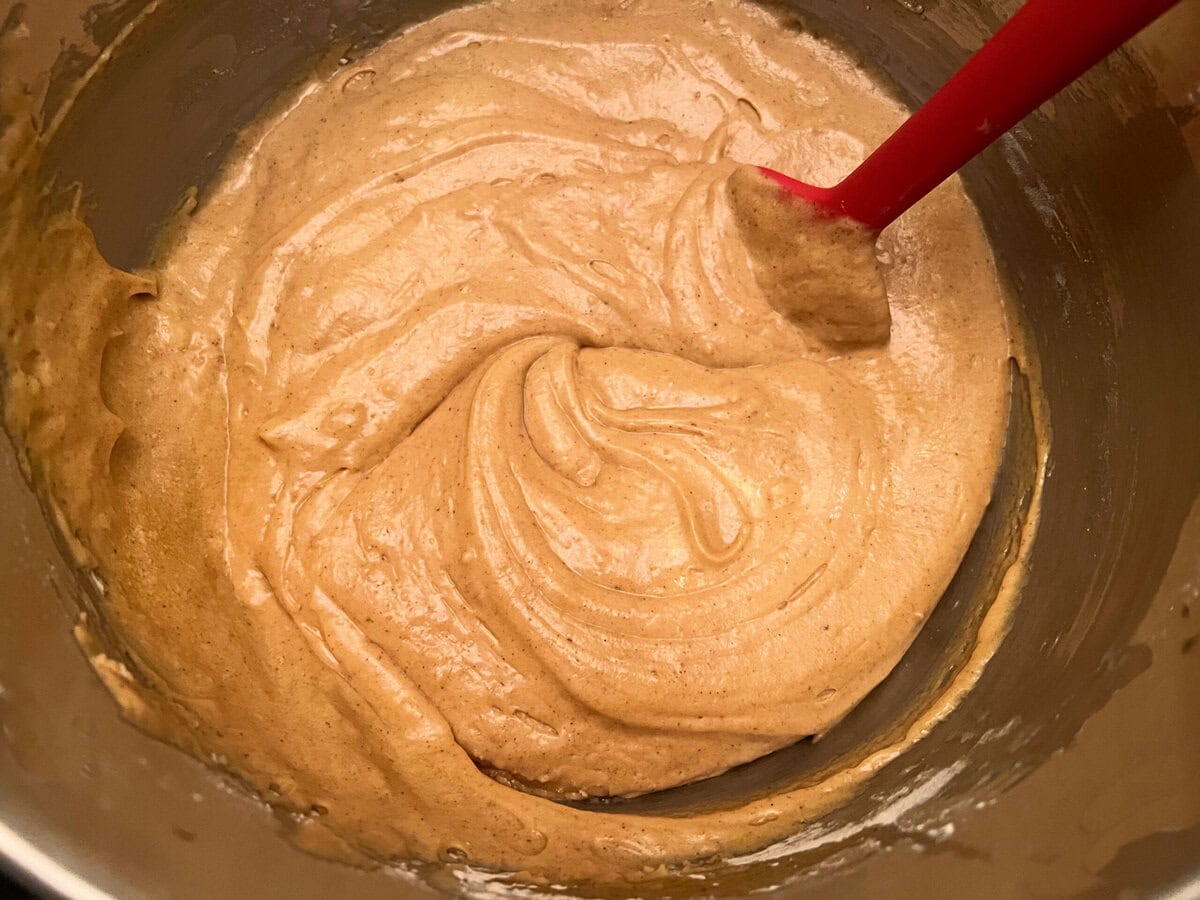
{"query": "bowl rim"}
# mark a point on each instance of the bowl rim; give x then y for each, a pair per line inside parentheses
(37, 869)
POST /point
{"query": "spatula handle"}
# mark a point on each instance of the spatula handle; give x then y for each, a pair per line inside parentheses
(1042, 49)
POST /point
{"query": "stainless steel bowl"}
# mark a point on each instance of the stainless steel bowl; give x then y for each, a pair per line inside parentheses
(1073, 768)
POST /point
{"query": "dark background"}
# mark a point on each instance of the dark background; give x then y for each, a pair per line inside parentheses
(10, 888)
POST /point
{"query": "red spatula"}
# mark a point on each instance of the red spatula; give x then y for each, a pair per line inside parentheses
(1042, 49)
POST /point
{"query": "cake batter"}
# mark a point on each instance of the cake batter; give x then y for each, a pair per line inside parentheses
(459, 455)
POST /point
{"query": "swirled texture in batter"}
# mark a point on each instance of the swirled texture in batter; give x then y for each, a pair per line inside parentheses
(454, 432)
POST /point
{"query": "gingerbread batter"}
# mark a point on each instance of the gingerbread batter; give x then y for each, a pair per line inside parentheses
(458, 453)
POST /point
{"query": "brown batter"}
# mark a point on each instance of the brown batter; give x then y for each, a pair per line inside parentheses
(458, 430)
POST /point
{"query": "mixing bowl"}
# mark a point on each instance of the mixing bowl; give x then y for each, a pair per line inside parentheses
(1073, 766)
